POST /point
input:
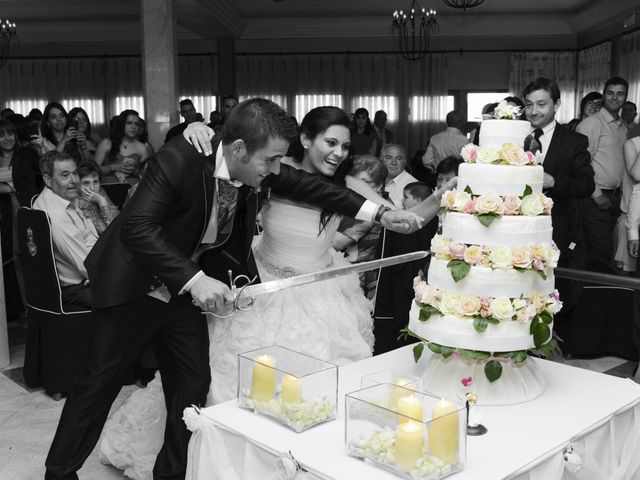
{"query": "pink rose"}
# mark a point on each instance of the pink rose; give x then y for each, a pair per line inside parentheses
(456, 250)
(485, 311)
(470, 207)
(547, 204)
(532, 159)
(511, 205)
(538, 264)
(467, 381)
(469, 153)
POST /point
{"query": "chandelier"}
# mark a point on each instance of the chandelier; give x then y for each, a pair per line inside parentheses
(7, 35)
(414, 29)
(463, 4)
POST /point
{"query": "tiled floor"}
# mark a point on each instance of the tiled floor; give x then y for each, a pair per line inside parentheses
(28, 417)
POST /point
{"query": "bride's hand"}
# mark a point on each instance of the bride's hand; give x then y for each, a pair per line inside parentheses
(199, 135)
(401, 221)
(210, 294)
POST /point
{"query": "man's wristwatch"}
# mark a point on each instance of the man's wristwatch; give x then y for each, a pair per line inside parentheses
(381, 211)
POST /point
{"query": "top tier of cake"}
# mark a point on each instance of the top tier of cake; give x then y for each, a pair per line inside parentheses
(495, 133)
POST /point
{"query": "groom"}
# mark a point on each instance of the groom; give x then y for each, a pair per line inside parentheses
(147, 288)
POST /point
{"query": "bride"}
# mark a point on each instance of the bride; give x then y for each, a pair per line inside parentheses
(328, 320)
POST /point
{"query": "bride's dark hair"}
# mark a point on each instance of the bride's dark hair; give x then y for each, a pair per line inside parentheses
(313, 124)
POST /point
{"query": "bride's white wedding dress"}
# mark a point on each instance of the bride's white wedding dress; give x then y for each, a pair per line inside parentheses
(329, 320)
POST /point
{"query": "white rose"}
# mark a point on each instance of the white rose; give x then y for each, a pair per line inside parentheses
(490, 203)
(449, 303)
(501, 257)
(468, 305)
(532, 206)
(462, 198)
(440, 246)
(521, 257)
(502, 309)
(487, 155)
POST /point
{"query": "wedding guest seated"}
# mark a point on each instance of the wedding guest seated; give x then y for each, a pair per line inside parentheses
(394, 157)
(590, 104)
(73, 234)
(448, 142)
(359, 238)
(121, 156)
(93, 200)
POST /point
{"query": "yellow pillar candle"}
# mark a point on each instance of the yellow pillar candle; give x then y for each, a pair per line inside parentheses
(409, 407)
(263, 384)
(409, 444)
(444, 431)
(291, 391)
(399, 392)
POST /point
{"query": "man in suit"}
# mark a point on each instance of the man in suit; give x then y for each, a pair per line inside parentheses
(566, 161)
(148, 288)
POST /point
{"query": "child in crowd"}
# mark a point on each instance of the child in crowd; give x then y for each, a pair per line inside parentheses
(414, 193)
(447, 169)
(93, 200)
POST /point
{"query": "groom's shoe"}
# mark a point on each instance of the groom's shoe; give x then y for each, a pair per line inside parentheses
(50, 476)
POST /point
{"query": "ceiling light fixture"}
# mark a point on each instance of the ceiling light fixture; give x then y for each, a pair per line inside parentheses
(413, 29)
(463, 4)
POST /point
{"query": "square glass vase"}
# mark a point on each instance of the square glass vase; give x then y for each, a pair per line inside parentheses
(406, 432)
(295, 389)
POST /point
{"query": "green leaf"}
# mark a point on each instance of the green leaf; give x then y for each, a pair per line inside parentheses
(467, 189)
(487, 219)
(534, 324)
(480, 324)
(417, 351)
(459, 269)
(427, 312)
(541, 334)
(527, 190)
(447, 351)
(435, 348)
(473, 354)
(519, 356)
(520, 269)
(492, 321)
(545, 350)
(545, 317)
(503, 354)
(541, 273)
(493, 370)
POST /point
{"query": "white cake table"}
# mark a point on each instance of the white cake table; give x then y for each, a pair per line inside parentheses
(598, 414)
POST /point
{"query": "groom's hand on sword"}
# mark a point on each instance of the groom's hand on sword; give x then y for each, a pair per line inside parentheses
(210, 294)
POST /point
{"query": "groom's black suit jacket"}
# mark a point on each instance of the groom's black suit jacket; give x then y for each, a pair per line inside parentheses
(153, 238)
(568, 161)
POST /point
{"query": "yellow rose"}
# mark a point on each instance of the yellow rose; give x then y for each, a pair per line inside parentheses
(472, 254)
(487, 155)
(468, 305)
(532, 205)
(502, 309)
(448, 199)
(521, 257)
(513, 155)
(490, 203)
(501, 257)
(449, 303)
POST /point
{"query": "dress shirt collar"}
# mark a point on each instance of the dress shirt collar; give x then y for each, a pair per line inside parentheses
(56, 201)
(221, 171)
(548, 129)
(609, 118)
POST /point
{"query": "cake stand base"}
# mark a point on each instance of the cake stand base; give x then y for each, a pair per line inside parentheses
(518, 383)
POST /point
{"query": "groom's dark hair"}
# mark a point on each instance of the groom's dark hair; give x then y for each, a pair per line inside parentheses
(542, 83)
(256, 121)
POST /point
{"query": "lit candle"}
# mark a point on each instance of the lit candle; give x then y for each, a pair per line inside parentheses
(409, 407)
(444, 431)
(291, 391)
(399, 392)
(409, 444)
(263, 385)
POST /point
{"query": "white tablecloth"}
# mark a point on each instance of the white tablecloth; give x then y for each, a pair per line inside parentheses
(597, 414)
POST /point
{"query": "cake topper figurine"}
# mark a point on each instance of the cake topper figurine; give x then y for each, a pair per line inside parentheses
(474, 427)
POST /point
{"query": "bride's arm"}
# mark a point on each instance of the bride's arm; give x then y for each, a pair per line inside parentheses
(367, 192)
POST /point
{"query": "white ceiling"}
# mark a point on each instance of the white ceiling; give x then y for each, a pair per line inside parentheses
(329, 24)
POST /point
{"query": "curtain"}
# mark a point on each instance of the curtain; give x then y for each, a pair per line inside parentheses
(559, 66)
(630, 64)
(594, 68)
(350, 77)
(110, 84)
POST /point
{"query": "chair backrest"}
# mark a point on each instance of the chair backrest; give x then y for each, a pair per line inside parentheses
(117, 192)
(42, 287)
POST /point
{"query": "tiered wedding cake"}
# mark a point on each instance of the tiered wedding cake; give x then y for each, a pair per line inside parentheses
(489, 296)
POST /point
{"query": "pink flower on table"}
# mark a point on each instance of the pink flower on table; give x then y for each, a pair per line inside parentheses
(511, 205)
(467, 381)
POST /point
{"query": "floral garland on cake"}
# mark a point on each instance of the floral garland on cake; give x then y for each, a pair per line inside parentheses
(461, 257)
(535, 308)
(505, 111)
(508, 154)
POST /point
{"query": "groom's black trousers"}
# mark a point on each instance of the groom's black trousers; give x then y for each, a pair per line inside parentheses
(181, 342)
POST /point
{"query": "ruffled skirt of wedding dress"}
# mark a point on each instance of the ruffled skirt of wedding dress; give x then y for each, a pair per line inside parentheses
(329, 320)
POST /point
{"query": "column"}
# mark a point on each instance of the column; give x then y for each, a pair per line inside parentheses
(159, 67)
(226, 68)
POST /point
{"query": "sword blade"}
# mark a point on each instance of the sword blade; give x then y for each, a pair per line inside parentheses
(276, 285)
